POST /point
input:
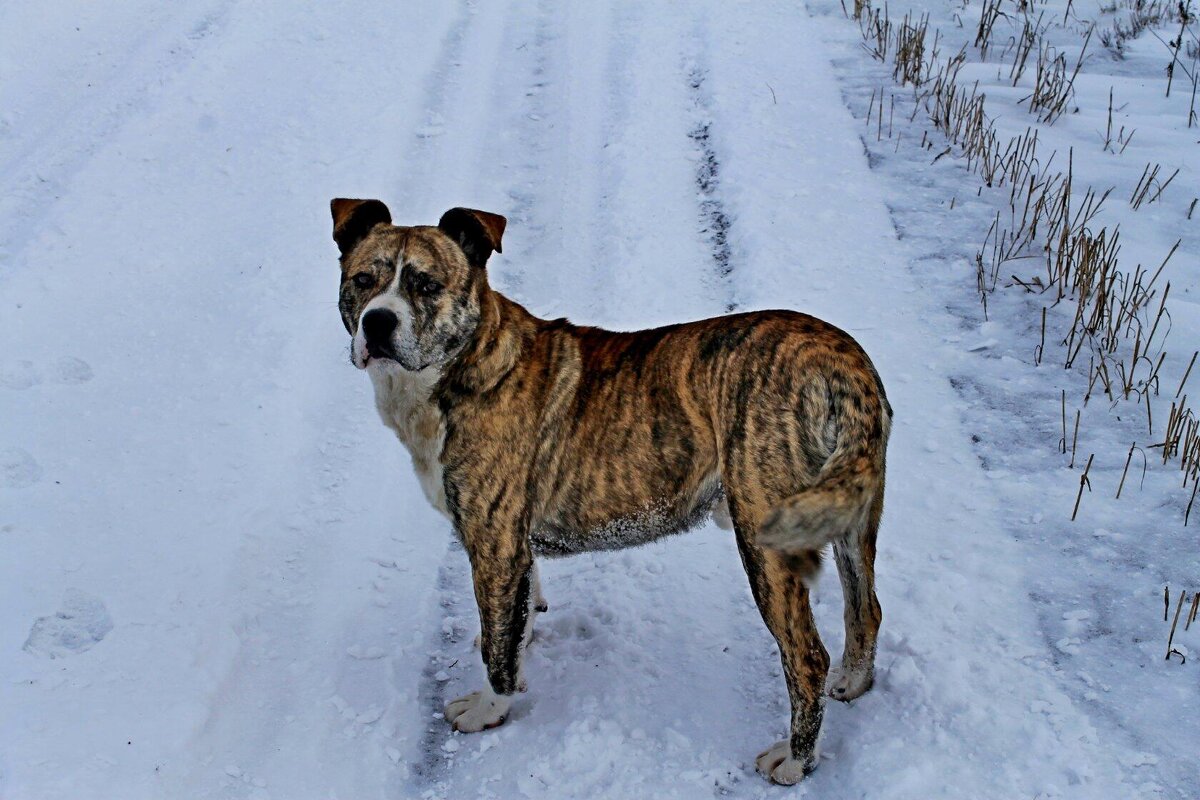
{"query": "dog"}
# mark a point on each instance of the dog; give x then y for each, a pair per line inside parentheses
(543, 438)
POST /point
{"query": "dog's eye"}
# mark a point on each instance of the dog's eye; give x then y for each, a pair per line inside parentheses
(364, 280)
(428, 287)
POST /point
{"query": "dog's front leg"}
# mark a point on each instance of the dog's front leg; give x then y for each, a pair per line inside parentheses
(502, 571)
(539, 605)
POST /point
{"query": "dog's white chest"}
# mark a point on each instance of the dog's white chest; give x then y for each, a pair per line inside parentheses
(403, 401)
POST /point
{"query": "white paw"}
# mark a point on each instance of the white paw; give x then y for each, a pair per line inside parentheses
(778, 766)
(477, 711)
(848, 683)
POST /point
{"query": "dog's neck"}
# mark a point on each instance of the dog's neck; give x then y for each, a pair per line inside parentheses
(505, 329)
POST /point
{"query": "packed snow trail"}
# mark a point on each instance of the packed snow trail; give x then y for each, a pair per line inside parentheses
(287, 612)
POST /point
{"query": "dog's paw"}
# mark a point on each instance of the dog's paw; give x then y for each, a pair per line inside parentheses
(778, 766)
(477, 711)
(848, 683)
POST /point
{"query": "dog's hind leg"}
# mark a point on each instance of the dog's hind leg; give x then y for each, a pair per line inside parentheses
(855, 555)
(777, 581)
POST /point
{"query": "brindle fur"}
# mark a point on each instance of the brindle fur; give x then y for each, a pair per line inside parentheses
(561, 439)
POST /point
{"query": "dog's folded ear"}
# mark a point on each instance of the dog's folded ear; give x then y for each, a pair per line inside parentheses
(477, 232)
(353, 220)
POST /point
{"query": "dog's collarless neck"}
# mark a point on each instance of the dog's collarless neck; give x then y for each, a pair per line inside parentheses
(490, 355)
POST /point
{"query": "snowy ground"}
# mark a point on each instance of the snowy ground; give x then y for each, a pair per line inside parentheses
(218, 575)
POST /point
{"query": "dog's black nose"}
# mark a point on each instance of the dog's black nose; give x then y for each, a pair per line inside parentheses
(378, 325)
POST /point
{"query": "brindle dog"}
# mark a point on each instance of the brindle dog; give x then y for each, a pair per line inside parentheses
(539, 437)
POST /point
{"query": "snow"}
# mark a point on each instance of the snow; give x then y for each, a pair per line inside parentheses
(220, 577)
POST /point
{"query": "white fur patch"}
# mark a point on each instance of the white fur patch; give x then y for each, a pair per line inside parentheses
(402, 399)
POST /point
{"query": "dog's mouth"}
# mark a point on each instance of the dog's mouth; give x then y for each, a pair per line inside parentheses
(375, 353)
(380, 352)
(365, 353)
(362, 354)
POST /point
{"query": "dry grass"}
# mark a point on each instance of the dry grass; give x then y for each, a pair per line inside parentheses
(1118, 319)
(876, 29)
(1148, 182)
(987, 21)
(1025, 43)
(1123, 139)
(910, 51)
(1139, 16)
(1054, 83)
(1175, 624)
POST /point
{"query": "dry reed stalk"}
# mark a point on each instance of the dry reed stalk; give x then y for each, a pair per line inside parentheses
(1188, 372)
(1125, 471)
(1083, 481)
(1171, 637)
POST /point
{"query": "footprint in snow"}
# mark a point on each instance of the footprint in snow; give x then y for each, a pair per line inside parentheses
(25, 374)
(71, 370)
(78, 625)
(18, 469)
(19, 375)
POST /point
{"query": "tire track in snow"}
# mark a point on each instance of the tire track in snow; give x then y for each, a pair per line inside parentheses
(615, 613)
(539, 212)
(714, 218)
(422, 160)
(758, 678)
(439, 86)
(566, 232)
(432, 696)
(454, 607)
(552, 224)
(431, 687)
(531, 120)
(60, 153)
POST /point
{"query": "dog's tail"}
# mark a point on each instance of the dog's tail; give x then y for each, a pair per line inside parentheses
(839, 502)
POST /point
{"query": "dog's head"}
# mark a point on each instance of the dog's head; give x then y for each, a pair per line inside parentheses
(411, 295)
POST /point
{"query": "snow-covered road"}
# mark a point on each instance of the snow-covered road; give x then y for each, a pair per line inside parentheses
(192, 472)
